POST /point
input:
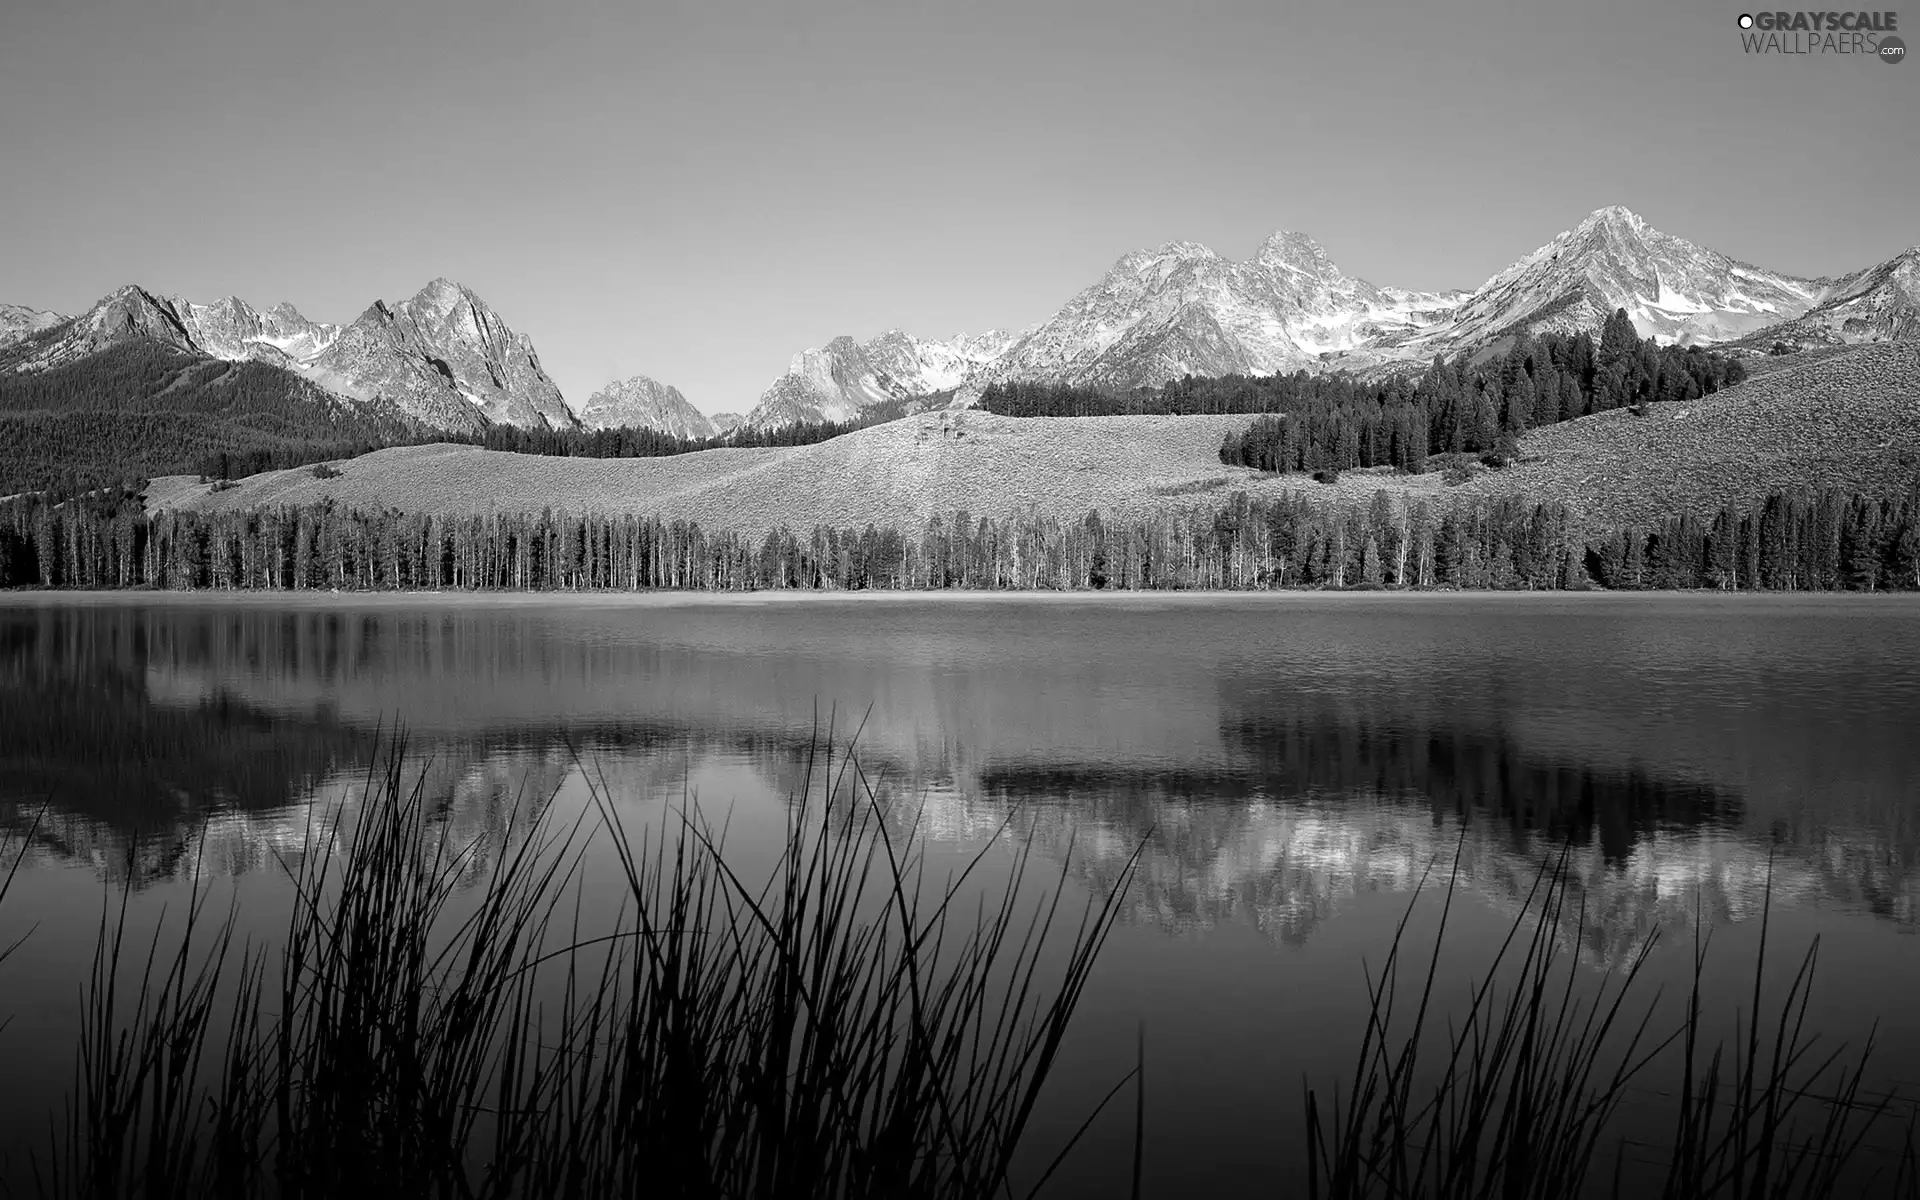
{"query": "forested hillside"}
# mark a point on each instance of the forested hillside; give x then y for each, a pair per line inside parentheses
(143, 409)
(1789, 542)
(1456, 407)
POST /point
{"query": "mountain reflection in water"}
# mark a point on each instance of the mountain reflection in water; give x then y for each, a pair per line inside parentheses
(1266, 790)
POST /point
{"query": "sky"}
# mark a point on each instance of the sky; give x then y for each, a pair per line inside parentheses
(698, 191)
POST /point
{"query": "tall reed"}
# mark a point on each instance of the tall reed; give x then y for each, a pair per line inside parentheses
(846, 1027)
(1523, 1096)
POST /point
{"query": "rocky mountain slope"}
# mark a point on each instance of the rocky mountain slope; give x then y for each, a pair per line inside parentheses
(836, 381)
(232, 330)
(128, 315)
(442, 357)
(645, 402)
(1183, 309)
(1881, 303)
(17, 322)
(445, 358)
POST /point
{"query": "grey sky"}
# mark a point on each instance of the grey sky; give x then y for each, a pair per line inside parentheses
(698, 191)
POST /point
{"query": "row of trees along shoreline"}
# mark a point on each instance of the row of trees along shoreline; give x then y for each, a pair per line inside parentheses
(1824, 542)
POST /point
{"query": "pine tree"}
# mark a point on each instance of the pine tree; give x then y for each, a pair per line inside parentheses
(1372, 572)
(1513, 364)
(1572, 403)
(1546, 392)
(1485, 430)
(1619, 340)
(1860, 552)
(1517, 415)
(1906, 553)
(1615, 383)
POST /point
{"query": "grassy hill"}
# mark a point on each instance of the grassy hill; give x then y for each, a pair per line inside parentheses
(897, 473)
(142, 409)
(1848, 420)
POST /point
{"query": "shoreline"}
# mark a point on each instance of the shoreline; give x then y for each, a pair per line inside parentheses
(686, 598)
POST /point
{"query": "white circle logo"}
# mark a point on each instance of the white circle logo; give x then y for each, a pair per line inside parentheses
(1746, 20)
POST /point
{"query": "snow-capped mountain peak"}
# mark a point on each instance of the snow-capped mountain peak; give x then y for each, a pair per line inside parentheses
(1612, 259)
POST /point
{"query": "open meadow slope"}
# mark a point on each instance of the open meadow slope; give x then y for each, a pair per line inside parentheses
(899, 473)
(1849, 420)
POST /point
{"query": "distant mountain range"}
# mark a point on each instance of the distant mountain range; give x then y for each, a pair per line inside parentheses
(442, 358)
(1183, 309)
(445, 359)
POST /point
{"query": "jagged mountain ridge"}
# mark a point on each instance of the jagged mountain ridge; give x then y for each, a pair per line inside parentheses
(233, 330)
(645, 403)
(1183, 309)
(442, 357)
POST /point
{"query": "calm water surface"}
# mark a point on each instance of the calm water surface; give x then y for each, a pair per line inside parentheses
(1292, 763)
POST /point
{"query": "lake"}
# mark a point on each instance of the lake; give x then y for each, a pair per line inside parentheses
(1291, 764)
